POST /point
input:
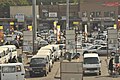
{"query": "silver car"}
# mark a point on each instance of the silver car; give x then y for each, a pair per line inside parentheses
(104, 50)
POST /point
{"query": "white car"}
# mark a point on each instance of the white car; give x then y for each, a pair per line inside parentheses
(92, 49)
(86, 46)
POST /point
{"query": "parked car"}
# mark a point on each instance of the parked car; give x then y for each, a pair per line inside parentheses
(85, 46)
(92, 49)
(104, 50)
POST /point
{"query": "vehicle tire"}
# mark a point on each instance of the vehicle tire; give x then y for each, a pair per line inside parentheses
(112, 53)
(100, 73)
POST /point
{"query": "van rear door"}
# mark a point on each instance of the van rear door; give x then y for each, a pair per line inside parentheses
(20, 73)
(8, 73)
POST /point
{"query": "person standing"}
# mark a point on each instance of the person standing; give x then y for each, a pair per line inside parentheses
(111, 66)
(10, 60)
(14, 60)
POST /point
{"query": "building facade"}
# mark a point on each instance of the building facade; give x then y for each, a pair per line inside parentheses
(99, 14)
(51, 13)
(96, 14)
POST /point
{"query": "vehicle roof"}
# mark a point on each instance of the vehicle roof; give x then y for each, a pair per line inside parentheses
(46, 47)
(9, 64)
(3, 48)
(39, 56)
(90, 55)
(43, 52)
(9, 46)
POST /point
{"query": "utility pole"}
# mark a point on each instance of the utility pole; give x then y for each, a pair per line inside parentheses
(67, 16)
(34, 26)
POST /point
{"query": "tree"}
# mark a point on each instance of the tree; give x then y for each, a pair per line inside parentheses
(5, 6)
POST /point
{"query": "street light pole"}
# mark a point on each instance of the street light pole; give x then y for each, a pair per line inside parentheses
(67, 16)
(34, 23)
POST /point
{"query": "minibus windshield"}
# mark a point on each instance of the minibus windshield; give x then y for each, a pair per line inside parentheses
(91, 60)
(38, 60)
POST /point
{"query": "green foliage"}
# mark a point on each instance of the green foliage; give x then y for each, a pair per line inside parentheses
(5, 3)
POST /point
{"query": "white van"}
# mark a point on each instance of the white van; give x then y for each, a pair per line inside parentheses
(4, 55)
(12, 71)
(12, 50)
(39, 65)
(51, 49)
(57, 52)
(46, 53)
(91, 63)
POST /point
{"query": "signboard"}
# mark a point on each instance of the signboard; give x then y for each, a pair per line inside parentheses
(1, 27)
(76, 23)
(27, 41)
(52, 14)
(112, 38)
(20, 17)
(11, 23)
(70, 40)
(112, 33)
(27, 35)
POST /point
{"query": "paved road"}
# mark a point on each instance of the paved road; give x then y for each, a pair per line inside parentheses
(104, 75)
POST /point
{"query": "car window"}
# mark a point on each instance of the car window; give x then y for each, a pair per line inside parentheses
(8, 69)
(103, 48)
(91, 60)
(38, 60)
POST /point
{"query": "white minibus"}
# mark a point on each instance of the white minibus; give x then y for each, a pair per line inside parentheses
(12, 71)
(12, 50)
(91, 63)
(46, 53)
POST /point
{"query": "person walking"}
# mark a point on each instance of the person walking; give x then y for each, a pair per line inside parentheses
(111, 66)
